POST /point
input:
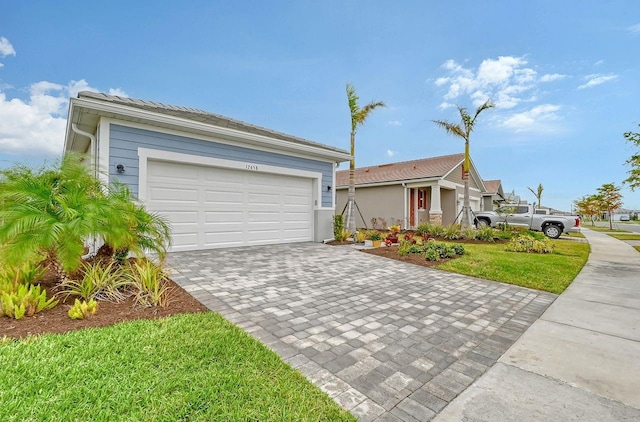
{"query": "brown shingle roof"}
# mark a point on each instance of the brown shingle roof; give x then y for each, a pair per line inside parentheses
(406, 170)
(202, 117)
(492, 186)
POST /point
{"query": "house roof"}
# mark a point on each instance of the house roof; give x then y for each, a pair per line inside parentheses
(433, 167)
(85, 109)
(493, 186)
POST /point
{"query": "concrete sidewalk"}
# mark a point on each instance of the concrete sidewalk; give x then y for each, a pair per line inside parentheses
(580, 360)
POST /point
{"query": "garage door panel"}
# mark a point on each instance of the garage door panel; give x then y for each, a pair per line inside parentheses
(223, 217)
(173, 194)
(212, 197)
(210, 207)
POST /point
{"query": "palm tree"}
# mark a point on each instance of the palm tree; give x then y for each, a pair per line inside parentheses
(50, 213)
(358, 117)
(463, 130)
(538, 194)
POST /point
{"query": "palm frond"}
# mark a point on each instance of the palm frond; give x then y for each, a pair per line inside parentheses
(451, 128)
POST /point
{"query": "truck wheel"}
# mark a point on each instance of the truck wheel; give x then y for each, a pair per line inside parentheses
(552, 231)
(481, 223)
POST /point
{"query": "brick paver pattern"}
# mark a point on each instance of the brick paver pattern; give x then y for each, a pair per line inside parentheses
(389, 341)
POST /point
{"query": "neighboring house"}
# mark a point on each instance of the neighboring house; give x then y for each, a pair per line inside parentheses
(494, 196)
(220, 182)
(411, 192)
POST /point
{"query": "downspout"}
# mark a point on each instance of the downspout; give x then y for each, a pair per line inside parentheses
(94, 145)
(93, 242)
(404, 185)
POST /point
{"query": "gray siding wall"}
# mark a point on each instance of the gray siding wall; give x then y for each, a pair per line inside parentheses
(124, 143)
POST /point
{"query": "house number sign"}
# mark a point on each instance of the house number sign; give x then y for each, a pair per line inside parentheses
(253, 167)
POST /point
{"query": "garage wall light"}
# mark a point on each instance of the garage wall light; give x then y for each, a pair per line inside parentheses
(120, 168)
(329, 188)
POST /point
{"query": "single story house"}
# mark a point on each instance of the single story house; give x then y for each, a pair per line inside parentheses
(494, 195)
(220, 182)
(411, 192)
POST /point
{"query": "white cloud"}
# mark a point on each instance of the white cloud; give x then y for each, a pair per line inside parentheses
(598, 63)
(117, 92)
(394, 123)
(445, 105)
(550, 77)
(506, 80)
(35, 127)
(596, 79)
(390, 153)
(536, 119)
(634, 28)
(6, 49)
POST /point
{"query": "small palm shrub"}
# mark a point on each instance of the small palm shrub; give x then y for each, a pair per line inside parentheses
(528, 244)
(431, 250)
(149, 283)
(51, 212)
(83, 309)
(27, 273)
(100, 281)
(26, 300)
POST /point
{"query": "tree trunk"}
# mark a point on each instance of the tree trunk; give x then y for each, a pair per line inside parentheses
(351, 196)
(466, 221)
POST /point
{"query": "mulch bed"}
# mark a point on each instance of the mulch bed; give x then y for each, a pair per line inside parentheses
(57, 320)
(391, 252)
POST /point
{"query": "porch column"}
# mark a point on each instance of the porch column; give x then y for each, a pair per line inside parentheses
(405, 213)
(435, 210)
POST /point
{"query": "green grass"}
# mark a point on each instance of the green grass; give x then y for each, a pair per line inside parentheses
(549, 272)
(604, 229)
(637, 248)
(574, 234)
(195, 367)
(626, 236)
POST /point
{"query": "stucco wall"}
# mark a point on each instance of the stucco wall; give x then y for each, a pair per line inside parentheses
(448, 202)
(380, 202)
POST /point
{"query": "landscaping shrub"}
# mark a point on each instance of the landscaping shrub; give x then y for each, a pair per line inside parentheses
(452, 232)
(26, 300)
(528, 244)
(469, 233)
(149, 283)
(83, 309)
(407, 247)
(338, 226)
(51, 212)
(100, 280)
(343, 235)
(487, 234)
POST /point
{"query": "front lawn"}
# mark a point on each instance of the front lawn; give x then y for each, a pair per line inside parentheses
(629, 236)
(549, 272)
(605, 229)
(186, 367)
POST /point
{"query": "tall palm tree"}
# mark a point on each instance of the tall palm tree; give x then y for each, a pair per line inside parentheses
(358, 117)
(538, 194)
(463, 130)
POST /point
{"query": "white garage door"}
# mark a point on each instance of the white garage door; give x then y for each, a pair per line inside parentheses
(210, 207)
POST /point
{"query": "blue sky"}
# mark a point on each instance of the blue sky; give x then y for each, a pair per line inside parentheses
(564, 76)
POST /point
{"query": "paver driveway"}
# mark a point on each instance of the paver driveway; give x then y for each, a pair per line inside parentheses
(387, 340)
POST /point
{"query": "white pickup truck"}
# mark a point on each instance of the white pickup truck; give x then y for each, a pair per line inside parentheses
(525, 216)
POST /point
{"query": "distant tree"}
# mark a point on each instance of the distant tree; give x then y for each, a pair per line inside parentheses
(358, 117)
(589, 206)
(463, 130)
(610, 199)
(634, 174)
(538, 194)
